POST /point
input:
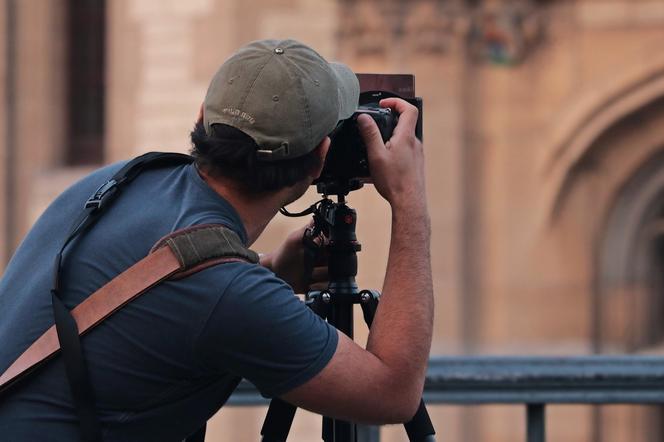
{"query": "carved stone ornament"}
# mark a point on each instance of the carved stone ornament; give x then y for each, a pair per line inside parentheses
(377, 26)
(500, 33)
(505, 34)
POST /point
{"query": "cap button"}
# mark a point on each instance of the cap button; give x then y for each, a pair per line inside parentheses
(278, 51)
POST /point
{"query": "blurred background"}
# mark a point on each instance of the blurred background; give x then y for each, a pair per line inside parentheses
(544, 136)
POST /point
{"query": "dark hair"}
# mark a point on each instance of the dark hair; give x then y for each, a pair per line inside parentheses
(228, 152)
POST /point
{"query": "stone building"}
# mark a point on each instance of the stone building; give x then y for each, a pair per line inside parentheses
(544, 132)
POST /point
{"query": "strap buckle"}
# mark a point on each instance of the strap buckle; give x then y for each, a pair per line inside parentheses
(101, 195)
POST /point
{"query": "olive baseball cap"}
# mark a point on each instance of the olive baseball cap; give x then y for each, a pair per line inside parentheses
(282, 94)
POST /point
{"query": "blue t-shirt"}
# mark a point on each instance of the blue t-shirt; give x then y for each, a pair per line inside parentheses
(166, 362)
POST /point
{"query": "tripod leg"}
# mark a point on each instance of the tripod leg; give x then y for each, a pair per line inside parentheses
(328, 429)
(369, 302)
(368, 433)
(280, 414)
(334, 430)
(345, 431)
(420, 428)
(278, 421)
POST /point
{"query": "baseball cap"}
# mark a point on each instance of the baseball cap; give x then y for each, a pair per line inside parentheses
(282, 94)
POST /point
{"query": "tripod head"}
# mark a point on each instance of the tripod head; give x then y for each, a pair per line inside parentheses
(337, 222)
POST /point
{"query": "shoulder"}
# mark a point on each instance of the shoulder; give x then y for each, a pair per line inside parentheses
(253, 282)
(255, 272)
(260, 330)
(250, 295)
(240, 287)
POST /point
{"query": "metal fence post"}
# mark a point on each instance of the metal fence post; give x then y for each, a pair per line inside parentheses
(535, 425)
(368, 433)
(531, 381)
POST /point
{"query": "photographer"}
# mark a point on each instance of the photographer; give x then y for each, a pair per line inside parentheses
(166, 362)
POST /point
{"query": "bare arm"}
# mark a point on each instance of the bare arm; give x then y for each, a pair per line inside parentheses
(383, 383)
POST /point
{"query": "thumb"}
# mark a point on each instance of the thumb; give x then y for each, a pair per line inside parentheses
(370, 134)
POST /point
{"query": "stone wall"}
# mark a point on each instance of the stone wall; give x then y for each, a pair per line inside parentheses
(535, 117)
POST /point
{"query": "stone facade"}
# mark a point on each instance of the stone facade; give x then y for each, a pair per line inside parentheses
(543, 132)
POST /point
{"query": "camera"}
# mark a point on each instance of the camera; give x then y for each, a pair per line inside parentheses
(347, 166)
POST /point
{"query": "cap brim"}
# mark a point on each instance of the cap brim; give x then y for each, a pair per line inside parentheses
(349, 89)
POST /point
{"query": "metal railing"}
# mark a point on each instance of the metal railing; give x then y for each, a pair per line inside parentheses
(532, 381)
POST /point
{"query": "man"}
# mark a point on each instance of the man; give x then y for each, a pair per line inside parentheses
(166, 362)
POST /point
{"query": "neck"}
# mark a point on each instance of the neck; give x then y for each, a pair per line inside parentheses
(255, 211)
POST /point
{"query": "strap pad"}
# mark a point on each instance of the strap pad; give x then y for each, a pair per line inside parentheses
(203, 246)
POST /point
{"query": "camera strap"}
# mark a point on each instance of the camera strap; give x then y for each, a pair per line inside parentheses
(65, 324)
(175, 256)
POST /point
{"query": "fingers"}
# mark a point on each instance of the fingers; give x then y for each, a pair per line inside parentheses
(320, 274)
(371, 136)
(296, 236)
(407, 115)
(320, 279)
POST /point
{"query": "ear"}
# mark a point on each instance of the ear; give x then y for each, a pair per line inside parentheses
(321, 150)
(199, 119)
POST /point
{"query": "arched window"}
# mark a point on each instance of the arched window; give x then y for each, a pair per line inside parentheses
(86, 88)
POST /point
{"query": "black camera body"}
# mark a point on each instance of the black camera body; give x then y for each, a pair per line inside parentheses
(347, 157)
(347, 167)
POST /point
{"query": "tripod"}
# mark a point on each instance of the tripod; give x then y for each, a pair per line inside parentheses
(337, 222)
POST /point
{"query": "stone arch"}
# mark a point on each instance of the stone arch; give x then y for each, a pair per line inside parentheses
(592, 115)
(627, 289)
(637, 205)
(613, 159)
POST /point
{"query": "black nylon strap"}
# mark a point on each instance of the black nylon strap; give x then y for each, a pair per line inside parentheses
(75, 367)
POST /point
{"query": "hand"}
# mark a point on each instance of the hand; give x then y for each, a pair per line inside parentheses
(287, 262)
(397, 167)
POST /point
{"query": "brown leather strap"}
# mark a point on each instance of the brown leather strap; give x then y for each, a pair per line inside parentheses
(133, 282)
(164, 261)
